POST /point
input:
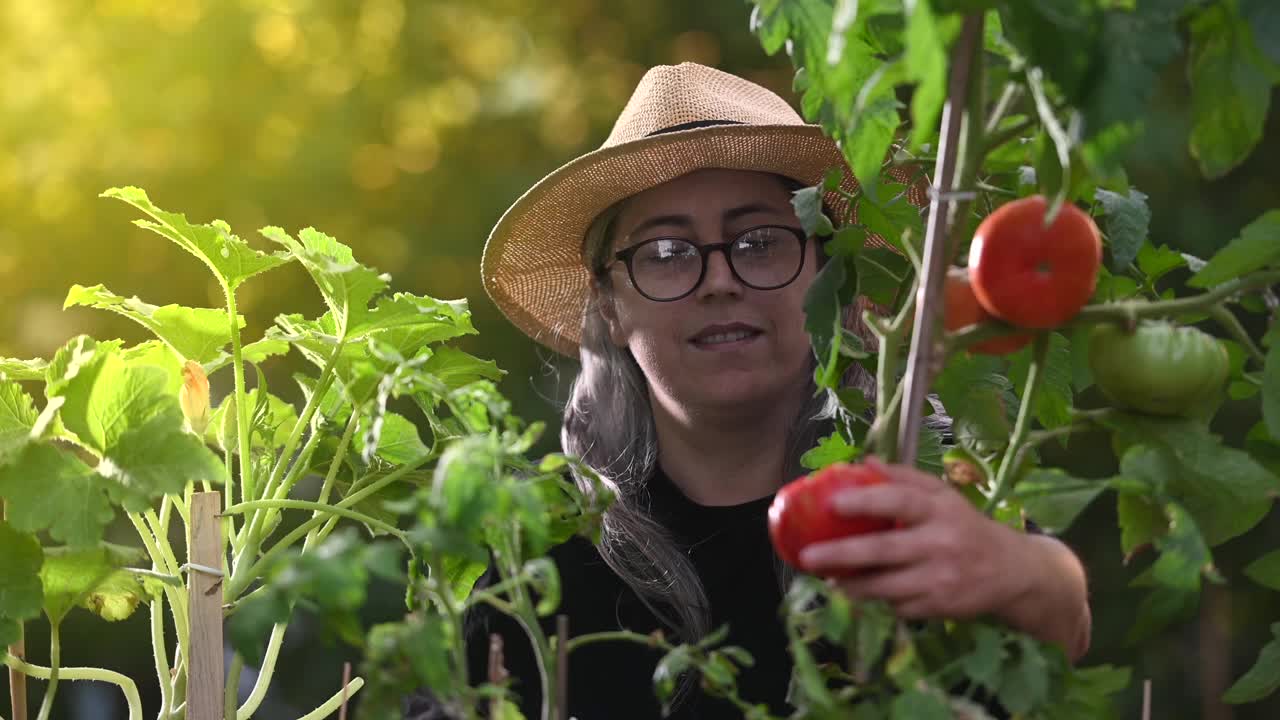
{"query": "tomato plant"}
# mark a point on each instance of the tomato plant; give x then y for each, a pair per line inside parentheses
(1030, 274)
(801, 512)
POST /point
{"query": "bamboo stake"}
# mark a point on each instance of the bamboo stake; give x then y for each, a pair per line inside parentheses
(204, 592)
(920, 359)
(346, 680)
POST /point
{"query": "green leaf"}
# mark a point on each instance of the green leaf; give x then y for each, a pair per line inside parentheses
(927, 66)
(1266, 570)
(1160, 609)
(823, 310)
(1257, 247)
(1183, 554)
(1025, 683)
(197, 334)
(1263, 678)
(45, 488)
(920, 704)
(1156, 262)
(984, 664)
(874, 626)
(157, 459)
(668, 671)
(830, 450)
(1127, 220)
(1270, 392)
(1133, 49)
(396, 439)
(1225, 490)
(20, 561)
(230, 258)
(12, 369)
(92, 578)
(461, 574)
(154, 353)
(1053, 403)
(455, 368)
(347, 286)
(980, 400)
(1054, 499)
(1088, 693)
(1230, 90)
(882, 273)
(17, 417)
(808, 206)
(1141, 522)
(254, 352)
(886, 213)
(104, 398)
(271, 422)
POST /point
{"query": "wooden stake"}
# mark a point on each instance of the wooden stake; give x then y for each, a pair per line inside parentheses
(929, 297)
(204, 597)
(346, 678)
(1146, 699)
(497, 670)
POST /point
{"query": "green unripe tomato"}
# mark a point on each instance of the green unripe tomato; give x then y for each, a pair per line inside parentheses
(1160, 368)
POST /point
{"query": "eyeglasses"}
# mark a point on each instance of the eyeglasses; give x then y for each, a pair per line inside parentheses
(765, 257)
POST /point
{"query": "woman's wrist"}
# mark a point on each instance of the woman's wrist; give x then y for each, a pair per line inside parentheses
(1049, 599)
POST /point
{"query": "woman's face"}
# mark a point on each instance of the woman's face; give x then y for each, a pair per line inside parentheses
(725, 345)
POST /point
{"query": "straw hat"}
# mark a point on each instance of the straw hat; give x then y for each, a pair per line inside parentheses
(680, 119)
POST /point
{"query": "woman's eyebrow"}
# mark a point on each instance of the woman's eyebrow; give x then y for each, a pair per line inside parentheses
(729, 215)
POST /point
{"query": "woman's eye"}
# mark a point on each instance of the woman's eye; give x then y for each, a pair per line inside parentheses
(666, 251)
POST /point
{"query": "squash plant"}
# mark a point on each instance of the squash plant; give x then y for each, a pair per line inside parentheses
(104, 429)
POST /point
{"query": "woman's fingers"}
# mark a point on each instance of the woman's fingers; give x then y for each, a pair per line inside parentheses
(873, 550)
(909, 504)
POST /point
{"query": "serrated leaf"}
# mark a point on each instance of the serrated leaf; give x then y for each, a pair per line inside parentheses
(104, 397)
(1127, 219)
(13, 369)
(347, 286)
(20, 561)
(254, 352)
(1054, 499)
(1257, 247)
(1025, 683)
(197, 334)
(1088, 693)
(830, 449)
(45, 488)
(1156, 262)
(1230, 90)
(823, 311)
(984, 664)
(455, 368)
(1263, 678)
(157, 459)
(17, 417)
(886, 213)
(882, 273)
(1141, 522)
(398, 441)
(230, 258)
(980, 400)
(92, 578)
(1183, 554)
(1266, 570)
(1226, 491)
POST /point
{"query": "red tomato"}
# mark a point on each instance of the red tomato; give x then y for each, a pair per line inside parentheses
(1029, 275)
(963, 310)
(802, 514)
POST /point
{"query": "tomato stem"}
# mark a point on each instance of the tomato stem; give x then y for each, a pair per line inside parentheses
(1229, 322)
(1009, 463)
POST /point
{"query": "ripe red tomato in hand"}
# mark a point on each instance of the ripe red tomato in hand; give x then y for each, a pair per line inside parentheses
(1029, 275)
(963, 310)
(802, 514)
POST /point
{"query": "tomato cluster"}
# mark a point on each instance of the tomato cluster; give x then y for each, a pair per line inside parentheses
(1024, 272)
(802, 513)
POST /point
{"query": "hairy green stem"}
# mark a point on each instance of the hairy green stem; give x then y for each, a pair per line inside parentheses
(242, 411)
(177, 597)
(231, 690)
(160, 654)
(1229, 322)
(612, 635)
(55, 660)
(1008, 464)
(265, 673)
(320, 508)
(336, 701)
(1127, 311)
(126, 685)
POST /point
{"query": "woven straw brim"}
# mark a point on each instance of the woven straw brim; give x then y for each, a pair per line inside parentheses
(533, 266)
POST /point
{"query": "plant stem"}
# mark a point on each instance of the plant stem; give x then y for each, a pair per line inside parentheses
(446, 601)
(268, 669)
(1013, 133)
(242, 411)
(612, 635)
(161, 656)
(1231, 324)
(231, 692)
(1128, 311)
(241, 581)
(320, 508)
(126, 685)
(177, 598)
(1011, 93)
(55, 659)
(1008, 464)
(336, 701)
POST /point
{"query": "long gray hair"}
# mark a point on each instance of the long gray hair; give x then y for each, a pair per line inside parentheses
(608, 422)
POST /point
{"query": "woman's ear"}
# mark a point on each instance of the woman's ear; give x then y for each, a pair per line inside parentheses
(603, 300)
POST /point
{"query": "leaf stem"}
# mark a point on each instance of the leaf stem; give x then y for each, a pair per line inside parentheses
(268, 669)
(627, 635)
(1231, 324)
(125, 684)
(161, 656)
(1008, 464)
(319, 508)
(242, 411)
(177, 597)
(55, 659)
(232, 688)
(336, 701)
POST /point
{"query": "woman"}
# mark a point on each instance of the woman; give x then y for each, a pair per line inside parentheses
(671, 262)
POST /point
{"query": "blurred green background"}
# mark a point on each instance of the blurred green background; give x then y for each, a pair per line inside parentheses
(404, 129)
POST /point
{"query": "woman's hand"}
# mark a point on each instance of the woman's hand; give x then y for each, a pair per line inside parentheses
(949, 560)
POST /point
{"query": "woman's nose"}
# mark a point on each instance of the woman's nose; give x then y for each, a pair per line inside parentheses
(719, 278)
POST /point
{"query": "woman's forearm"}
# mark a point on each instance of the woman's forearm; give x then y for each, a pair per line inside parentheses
(1054, 606)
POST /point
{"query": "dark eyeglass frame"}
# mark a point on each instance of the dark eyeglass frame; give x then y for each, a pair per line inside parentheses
(704, 251)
